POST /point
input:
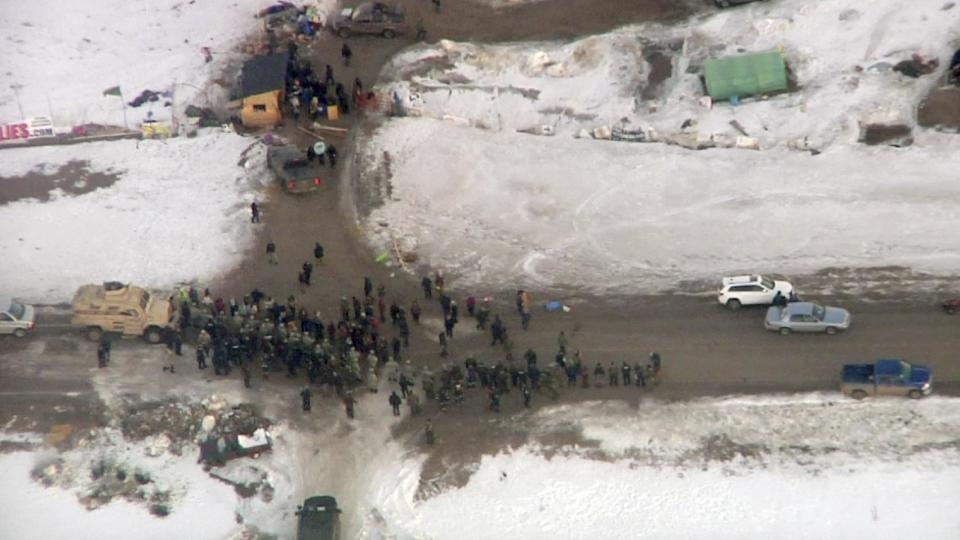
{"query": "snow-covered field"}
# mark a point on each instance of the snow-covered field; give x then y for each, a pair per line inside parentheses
(804, 466)
(179, 211)
(574, 212)
(61, 56)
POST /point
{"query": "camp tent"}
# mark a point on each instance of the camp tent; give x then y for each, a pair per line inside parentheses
(262, 85)
(745, 75)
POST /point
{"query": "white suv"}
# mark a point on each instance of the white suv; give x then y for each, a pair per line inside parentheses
(739, 291)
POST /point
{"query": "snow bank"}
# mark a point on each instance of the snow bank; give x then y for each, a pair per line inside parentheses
(882, 469)
(179, 211)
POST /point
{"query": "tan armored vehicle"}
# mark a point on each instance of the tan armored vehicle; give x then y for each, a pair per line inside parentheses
(123, 309)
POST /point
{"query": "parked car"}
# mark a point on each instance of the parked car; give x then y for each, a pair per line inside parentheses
(16, 318)
(218, 451)
(728, 3)
(371, 18)
(739, 291)
(806, 317)
(319, 519)
(886, 377)
(951, 306)
(290, 164)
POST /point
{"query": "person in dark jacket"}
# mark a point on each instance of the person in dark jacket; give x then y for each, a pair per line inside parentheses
(305, 394)
(395, 402)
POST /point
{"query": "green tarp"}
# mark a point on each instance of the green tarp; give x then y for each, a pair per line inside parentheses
(746, 75)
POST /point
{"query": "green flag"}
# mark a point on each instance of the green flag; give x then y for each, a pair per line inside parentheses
(113, 91)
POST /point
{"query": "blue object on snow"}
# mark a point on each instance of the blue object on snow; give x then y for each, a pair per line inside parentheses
(553, 305)
(734, 100)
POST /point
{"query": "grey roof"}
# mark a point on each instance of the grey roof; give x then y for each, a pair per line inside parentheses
(800, 308)
(263, 74)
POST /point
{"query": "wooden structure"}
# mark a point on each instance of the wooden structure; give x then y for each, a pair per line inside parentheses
(263, 85)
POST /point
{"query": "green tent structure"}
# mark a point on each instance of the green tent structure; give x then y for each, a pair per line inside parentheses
(746, 75)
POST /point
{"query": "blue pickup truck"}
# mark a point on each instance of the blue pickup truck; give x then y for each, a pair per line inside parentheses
(886, 377)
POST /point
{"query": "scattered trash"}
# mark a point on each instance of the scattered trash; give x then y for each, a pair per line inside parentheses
(749, 143)
(889, 134)
(602, 133)
(628, 135)
(917, 66)
(544, 130)
(737, 126)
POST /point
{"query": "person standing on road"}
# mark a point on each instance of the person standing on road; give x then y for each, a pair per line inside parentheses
(626, 374)
(348, 403)
(613, 373)
(598, 373)
(483, 313)
(427, 286)
(428, 433)
(413, 400)
(562, 342)
(525, 391)
(415, 311)
(638, 370)
(367, 286)
(305, 394)
(307, 272)
(332, 154)
(177, 343)
(271, 252)
(246, 375)
(101, 355)
(254, 212)
(201, 357)
(346, 53)
(318, 252)
(436, 6)
(655, 362)
(395, 402)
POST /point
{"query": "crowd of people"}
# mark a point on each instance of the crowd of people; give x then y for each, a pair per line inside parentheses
(368, 341)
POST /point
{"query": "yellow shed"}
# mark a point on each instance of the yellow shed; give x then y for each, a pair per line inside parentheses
(262, 84)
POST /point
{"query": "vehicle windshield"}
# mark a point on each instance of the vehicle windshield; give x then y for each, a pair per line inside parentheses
(905, 369)
(818, 312)
(144, 300)
(17, 309)
(767, 282)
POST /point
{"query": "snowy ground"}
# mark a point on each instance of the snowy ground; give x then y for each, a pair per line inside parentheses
(802, 466)
(63, 55)
(806, 466)
(318, 453)
(179, 211)
(568, 212)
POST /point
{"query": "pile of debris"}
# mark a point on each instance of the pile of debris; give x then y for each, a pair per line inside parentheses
(172, 426)
(110, 478)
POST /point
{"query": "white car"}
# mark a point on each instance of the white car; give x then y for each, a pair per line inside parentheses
(16, 318)
(752, 290)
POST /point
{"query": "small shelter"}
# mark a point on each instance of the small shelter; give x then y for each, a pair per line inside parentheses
(262, 84)
(745, 75)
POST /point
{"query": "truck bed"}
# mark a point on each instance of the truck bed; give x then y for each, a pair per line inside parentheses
(858, 373)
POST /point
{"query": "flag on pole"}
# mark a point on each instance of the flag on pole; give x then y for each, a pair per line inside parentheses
(113, 91)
